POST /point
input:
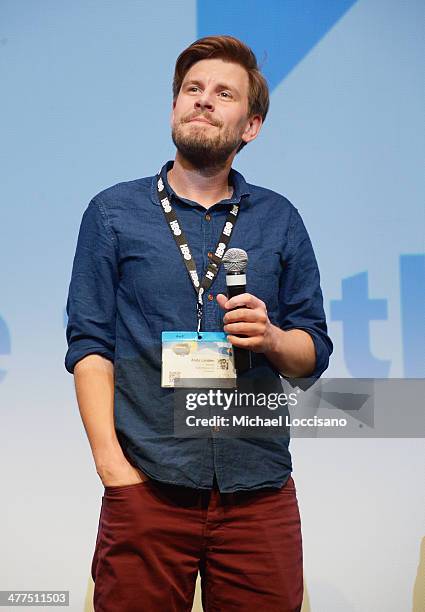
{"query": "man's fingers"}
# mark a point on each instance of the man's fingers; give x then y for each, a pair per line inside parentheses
(244, 299)
(221, 300)
(247, 329)
(254, 343)
(245, 314)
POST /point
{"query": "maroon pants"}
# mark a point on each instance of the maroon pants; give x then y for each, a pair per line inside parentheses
(154, 537)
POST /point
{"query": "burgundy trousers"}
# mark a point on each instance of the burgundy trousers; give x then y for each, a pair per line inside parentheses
(154, 537)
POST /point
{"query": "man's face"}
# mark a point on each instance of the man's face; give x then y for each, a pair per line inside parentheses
(210, 115)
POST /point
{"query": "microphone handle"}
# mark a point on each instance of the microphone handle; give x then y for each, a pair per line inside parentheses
(241, 356)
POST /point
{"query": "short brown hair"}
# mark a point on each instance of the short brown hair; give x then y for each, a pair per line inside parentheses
(229, 49)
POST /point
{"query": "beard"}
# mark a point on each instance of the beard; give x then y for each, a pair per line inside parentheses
(200, 148)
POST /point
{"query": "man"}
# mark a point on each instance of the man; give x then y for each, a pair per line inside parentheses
(175, 505)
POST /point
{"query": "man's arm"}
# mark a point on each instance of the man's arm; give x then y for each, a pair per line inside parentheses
(90, 332)
(94, 386)
(298, 346)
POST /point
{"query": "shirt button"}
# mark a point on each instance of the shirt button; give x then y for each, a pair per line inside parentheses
(210, 254)
(210, 297)
(216, 428)
(208, 217)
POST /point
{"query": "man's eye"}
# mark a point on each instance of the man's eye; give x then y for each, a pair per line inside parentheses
(226, 94)
(192, 87)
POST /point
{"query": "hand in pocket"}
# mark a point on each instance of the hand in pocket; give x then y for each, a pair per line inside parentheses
(122, 474)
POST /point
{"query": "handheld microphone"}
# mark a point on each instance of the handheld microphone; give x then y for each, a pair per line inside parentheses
(235, 262)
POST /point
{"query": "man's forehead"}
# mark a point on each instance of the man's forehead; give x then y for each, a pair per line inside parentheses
(218, 70)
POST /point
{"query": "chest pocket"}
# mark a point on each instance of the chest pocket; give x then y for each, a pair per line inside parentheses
(263, 279)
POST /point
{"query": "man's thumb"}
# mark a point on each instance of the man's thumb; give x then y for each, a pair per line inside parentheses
(221, 299)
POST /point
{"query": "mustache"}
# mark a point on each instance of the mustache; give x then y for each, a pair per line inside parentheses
(215, 123)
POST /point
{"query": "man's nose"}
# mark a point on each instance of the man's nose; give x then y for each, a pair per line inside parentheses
(205, 101)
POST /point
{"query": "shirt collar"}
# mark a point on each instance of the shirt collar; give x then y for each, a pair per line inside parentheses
(240, 187)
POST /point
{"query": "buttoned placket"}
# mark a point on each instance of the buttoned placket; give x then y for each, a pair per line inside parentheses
(209, 319)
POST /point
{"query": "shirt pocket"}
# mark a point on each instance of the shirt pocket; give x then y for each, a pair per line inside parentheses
(262, 280)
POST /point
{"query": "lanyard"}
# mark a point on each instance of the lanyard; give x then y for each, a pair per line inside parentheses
(183, 246)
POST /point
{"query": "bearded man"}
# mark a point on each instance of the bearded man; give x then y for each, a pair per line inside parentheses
(148, 267)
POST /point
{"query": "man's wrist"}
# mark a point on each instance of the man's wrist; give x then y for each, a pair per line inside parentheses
(292, 352)
(274, 343)
(109, 456)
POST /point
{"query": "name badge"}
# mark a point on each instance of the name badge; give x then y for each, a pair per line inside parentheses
(191, 362)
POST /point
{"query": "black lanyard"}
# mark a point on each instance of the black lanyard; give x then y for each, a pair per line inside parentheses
(183, 246)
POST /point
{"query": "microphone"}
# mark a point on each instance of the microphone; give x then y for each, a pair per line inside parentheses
(235, 262)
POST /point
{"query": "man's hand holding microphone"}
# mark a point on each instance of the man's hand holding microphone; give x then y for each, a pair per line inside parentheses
(248, 326)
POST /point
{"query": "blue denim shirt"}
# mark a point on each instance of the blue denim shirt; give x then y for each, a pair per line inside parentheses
(129, 284)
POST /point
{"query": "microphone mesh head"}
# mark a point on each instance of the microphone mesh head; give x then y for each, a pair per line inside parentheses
(235, 260)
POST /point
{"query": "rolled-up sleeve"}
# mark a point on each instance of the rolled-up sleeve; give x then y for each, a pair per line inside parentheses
(91, 303)
(300, 295)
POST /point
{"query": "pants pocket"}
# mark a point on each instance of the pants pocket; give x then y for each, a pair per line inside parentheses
(110, 490)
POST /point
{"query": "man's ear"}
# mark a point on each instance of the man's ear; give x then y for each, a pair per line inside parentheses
(253, 128)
